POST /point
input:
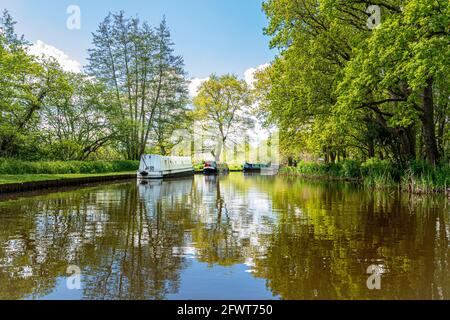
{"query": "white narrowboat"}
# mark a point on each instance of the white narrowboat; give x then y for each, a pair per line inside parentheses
(159, 167)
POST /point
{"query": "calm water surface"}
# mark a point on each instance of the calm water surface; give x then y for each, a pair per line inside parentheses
(233, 237)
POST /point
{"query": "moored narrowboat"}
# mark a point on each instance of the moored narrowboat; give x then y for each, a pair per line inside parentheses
(213, 168)
(254, 167)
(159, 167)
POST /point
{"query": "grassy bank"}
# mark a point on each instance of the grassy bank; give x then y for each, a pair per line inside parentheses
(17, 167)
(10, 179)
(418, 177)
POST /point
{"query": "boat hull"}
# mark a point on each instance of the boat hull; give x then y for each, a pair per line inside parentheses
(161, 167)
(166, 174)
(210, 171)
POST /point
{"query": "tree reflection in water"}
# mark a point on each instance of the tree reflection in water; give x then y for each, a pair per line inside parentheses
(307, 240)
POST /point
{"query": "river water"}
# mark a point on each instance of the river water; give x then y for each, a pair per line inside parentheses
(233, 237)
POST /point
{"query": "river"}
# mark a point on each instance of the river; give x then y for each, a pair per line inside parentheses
(233, 237)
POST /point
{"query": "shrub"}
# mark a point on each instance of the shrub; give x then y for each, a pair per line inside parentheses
(380, 168)
(351, 169)
(310, 168)
(319, 169)
(198, 167)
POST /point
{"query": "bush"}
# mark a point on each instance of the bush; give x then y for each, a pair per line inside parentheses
(11, 166)
(311, 168)
(320, 169)
(380, 168)
(350, 169)
(199, 167)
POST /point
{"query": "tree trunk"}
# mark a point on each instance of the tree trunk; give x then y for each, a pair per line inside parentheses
(332, 157)
(371, 148)
(427, 118)
(408, 143)
(290, 161)
(440, 136)
(218, 152)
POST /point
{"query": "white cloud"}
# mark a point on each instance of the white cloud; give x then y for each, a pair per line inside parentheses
(41, 49)
(195, 85)
(249, 74)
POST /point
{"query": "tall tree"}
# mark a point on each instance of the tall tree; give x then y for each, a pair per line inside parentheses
(340, 87)
(222, 105)
(171, 93)
(138, 63)
(398, 70)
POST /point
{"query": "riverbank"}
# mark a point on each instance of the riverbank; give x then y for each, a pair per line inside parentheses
(18, 167)
(21, 183)
(417, 178)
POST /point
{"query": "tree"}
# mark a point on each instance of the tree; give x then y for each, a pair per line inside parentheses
(398, 70)
(222, 105)
(79, 120)
(340, 88)
(172, 110)
(300, 83)
(138, 64)
(25, 83)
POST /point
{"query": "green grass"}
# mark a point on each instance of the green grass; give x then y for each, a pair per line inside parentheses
(17, 171)
(10, 179)
(17, 167)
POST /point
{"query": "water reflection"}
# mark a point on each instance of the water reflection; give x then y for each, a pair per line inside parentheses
(267, 237)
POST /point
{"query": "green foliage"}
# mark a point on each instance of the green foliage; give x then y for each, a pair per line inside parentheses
(221, 107)
(376, 167)
(318, 169)
(351, 169)
(339, 88)
(198, 167)
(78, 121)
(419, 177)
(148, 81)
(130, 99)
(344, 169)
(380, 173)
(17, 167)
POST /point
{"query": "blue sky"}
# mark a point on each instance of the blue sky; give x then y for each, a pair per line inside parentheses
(213, 36)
